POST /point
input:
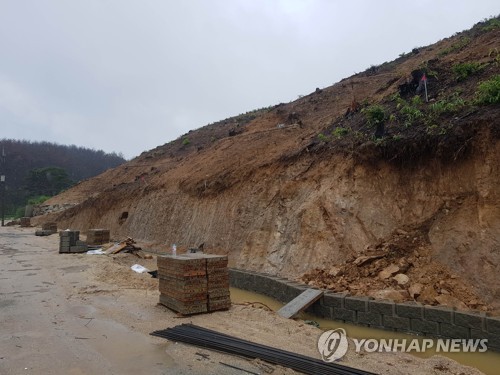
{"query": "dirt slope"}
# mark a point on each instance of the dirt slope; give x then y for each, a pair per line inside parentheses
(301, 187)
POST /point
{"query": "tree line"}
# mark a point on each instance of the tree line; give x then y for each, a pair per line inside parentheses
(36, 170)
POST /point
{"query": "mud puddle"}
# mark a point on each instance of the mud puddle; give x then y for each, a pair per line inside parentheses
(488, 362)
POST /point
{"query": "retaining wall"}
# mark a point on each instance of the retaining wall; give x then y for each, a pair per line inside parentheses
(410, 317)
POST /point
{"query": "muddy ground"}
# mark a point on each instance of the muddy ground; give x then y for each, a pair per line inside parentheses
(91, 314)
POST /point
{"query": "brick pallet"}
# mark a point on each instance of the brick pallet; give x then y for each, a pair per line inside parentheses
(69, 242)
(98, 236)
(51, 226)
(194, 283)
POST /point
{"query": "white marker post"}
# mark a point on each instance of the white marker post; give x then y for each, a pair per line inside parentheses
(424, 78)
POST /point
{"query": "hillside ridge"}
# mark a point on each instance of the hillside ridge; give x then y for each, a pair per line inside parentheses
(301, 188)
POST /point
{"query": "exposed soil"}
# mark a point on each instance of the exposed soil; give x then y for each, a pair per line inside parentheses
(91, 314)
(399, 269)
(269, 191)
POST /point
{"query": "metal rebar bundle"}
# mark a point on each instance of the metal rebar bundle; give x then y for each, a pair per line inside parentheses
(206, 338)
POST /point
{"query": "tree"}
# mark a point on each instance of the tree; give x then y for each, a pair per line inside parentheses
(47, 181)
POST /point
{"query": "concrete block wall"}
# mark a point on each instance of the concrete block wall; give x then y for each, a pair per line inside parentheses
(409, 317)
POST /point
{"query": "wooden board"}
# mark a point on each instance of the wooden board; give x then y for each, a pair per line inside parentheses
(116, 248)
(299, 303)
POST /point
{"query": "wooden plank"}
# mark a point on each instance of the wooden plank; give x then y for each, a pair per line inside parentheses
(116, 248)
(299, 303)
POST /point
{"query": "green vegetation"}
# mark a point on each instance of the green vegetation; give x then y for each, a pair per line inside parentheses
(409, 110)
(21, 210)
(375, 114)
(452, 104)
(339, 132)
(464, 70)
(185, 141)
(38, 199)
(491, 24)
(47, 181)
(455, 47)
(424, 67)
(489, 91)
(323, 137)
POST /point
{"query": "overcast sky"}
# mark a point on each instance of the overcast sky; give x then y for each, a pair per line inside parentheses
(128, 75)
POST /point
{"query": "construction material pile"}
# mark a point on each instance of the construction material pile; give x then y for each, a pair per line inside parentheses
(194, 283)
(47, 229)
(69, 242)
(127, 246)
(50, 226)
(98, 236)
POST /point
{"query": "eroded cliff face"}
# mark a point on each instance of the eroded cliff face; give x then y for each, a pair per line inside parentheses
(288, 218)
(307, 184)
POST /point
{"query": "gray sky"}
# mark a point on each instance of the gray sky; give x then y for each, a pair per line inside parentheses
(129, 75)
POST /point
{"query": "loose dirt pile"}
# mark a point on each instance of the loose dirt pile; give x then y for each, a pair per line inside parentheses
(400, 269)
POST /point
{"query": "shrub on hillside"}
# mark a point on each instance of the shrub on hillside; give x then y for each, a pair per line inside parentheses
(489, 91)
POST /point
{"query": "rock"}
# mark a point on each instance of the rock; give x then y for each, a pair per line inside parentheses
(401, 279)
(335, 271)
(366, 258)
(390, 294)
(388, 272)
(402, 232)
(447, 300)
(428, 295)
(415, 290)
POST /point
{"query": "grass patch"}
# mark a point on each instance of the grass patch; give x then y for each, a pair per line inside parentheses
(489, 91)
(464, 70)
(450, 105)
(375, 114)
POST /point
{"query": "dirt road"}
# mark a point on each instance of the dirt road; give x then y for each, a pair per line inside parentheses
(90, 314)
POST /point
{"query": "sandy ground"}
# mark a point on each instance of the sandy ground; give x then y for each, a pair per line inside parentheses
(90, 314)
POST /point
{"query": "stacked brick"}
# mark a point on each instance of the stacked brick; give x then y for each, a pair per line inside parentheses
(218, 283)
(194, 283)
(98, 236)
(51, 226)
(69, 242)
(183, 284)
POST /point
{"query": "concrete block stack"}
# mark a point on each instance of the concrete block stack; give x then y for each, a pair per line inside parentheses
(51, 226)
(194, 283)
(69, 242)
(97, 236)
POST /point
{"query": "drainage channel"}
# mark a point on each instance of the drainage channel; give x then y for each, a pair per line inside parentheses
(488, 362)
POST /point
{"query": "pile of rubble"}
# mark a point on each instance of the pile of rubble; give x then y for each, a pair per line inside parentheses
(400, 269)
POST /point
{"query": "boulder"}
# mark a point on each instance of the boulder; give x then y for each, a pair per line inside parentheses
(388, 272)
(415, 290)
(401, 279)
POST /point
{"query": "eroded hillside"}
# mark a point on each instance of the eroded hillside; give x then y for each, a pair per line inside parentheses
(366, 167)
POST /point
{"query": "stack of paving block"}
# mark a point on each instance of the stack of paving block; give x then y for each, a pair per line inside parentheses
(50, 227)
(69, 242)
(183, 284)
(25, 222)
(218, 283)
(194, 283)
(97, 236)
